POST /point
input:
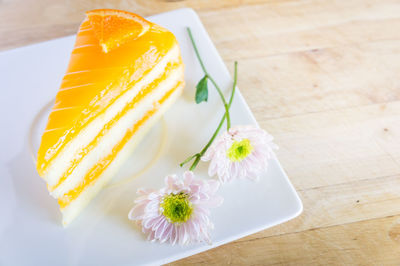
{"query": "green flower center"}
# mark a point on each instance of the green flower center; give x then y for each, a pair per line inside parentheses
(239, 150)
(176, 208)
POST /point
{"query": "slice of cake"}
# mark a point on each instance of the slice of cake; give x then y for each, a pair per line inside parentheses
(123, 74)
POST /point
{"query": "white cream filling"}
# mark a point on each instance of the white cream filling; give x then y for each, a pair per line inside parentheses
(62, 162)
(77, 205)
(116, 133)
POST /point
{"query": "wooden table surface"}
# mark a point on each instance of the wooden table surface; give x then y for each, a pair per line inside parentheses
(323, 77)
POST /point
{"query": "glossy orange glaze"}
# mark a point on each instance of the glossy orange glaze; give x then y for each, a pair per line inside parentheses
(99, 168)
(132, 104)
(94, 80)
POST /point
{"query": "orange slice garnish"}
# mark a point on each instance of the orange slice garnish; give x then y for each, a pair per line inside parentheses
(113, 28)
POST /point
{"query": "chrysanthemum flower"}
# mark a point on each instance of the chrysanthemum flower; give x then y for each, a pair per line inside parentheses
(241, 152)
(177, 213)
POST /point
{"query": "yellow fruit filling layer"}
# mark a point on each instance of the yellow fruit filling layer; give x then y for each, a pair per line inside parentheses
(142, 94)
(99, 168)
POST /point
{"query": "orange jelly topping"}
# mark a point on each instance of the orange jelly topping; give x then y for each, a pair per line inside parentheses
(115, 27)
(94, 80)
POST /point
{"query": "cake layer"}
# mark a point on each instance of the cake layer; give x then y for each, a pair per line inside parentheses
(62, 162)
(94, 80)
(114, 130)
(73, 202)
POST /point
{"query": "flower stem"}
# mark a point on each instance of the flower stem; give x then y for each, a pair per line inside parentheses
(221, 95)
(188, 159)
(234, 84)
(201, 153)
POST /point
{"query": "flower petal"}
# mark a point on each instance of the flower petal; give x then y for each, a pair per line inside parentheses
(137, 212)
(251, 166)
(202, 195)
(188, 177)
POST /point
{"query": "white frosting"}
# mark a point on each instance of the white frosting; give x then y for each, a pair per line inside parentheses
(76, 206)
(116, 133)
(62, 162)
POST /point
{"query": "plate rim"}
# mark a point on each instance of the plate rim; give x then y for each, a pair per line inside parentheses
(235, 236)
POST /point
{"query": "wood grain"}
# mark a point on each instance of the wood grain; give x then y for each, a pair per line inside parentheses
(324, 78)
(346, 244)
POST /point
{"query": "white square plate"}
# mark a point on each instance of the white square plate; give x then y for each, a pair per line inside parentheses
(30, 223)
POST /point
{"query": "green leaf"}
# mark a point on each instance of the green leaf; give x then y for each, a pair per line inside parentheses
(202, 90)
